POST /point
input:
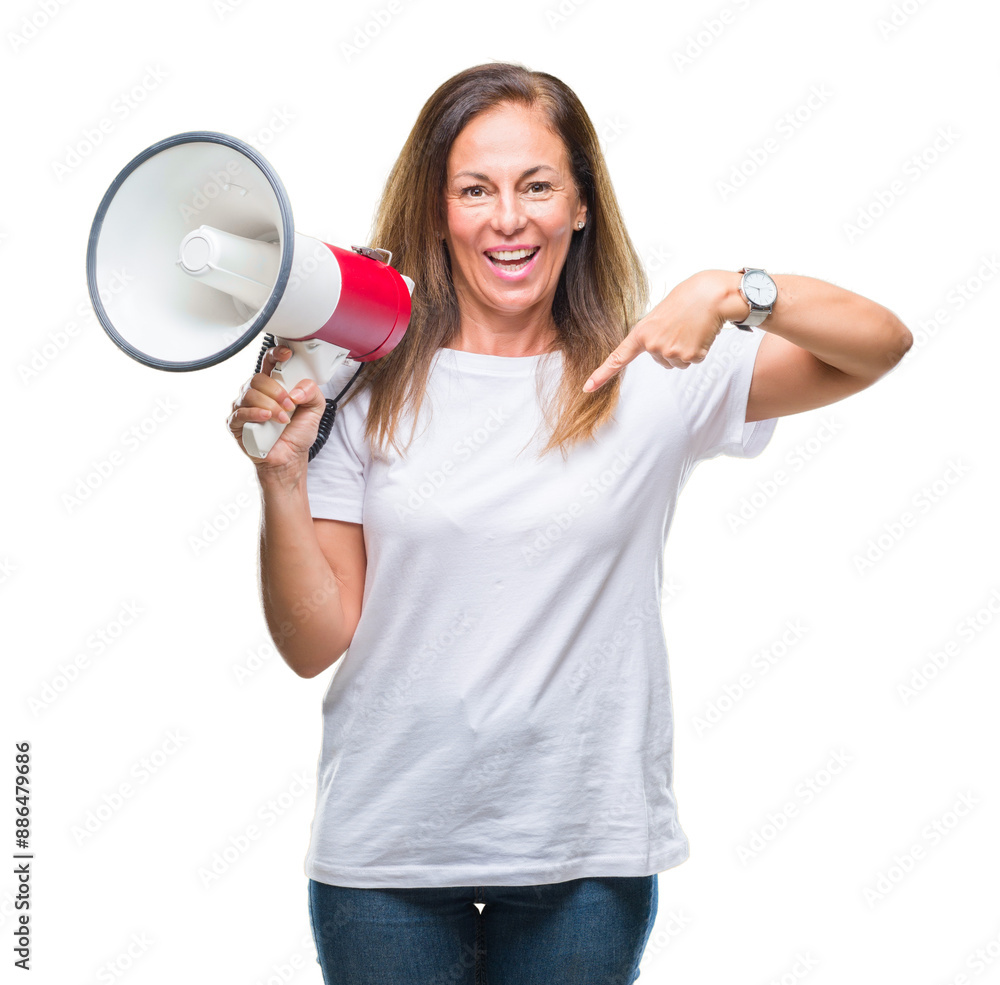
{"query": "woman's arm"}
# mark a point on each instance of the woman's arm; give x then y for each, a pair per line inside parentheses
(312, 571)
(824, 343)
(312, 576)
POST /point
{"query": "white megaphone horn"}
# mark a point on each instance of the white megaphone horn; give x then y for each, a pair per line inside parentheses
(200, 229)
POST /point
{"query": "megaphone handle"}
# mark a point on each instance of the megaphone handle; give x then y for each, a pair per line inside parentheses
(311, 359)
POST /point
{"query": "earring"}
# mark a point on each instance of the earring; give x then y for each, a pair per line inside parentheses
(579, 225)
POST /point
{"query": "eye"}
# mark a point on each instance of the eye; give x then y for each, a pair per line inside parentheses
(540, 184)
(472, 188)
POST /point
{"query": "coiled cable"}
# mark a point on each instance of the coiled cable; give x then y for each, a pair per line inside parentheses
(330, 411)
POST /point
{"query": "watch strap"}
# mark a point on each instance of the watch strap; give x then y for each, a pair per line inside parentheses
(756, 315)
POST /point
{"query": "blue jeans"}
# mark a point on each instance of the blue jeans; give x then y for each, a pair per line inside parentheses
(581, 932)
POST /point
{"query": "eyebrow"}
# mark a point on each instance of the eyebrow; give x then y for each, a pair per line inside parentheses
(524, 174)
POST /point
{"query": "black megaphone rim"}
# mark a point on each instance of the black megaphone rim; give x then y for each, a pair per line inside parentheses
(288, 239)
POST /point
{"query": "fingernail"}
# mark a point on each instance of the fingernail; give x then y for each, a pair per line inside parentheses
(298, 393)
(588, 386)
(287, 403)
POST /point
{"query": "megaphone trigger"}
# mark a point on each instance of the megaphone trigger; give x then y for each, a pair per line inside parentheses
(311, 359)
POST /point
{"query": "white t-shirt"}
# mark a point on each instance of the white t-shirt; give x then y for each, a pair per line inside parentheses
(503, 715)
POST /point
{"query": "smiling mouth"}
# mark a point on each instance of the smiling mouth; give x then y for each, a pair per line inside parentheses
(511, 260)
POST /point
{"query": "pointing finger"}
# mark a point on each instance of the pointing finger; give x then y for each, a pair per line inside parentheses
(630, 347)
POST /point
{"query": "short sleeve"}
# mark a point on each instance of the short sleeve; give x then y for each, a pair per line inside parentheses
(335, 478)
(713, 396)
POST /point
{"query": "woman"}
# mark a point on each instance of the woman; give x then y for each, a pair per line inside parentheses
(498, 726)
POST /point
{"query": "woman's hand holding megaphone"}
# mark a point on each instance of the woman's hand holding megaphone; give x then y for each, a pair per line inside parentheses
(263, 398)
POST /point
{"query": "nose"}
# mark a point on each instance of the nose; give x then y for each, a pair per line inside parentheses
(508, 214)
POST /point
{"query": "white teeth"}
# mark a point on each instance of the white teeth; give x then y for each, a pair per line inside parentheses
(510, 254)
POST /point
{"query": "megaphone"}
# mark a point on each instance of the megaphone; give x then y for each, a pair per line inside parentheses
(198, 227)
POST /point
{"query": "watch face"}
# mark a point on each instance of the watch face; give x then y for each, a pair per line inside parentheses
(759, 288)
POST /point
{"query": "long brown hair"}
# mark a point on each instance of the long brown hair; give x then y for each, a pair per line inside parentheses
(602, 289)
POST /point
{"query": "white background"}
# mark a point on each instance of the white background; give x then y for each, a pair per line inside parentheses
(331, 114)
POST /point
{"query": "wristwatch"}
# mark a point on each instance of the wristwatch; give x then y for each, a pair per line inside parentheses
(760, 292)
